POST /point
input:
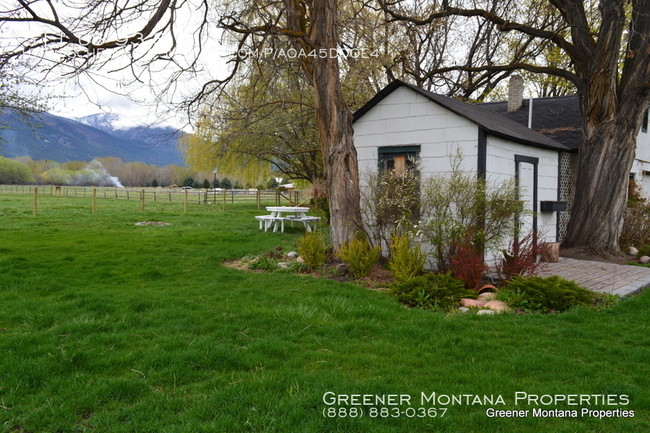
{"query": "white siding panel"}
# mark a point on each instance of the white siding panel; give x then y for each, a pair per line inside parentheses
(643, 146)
(501, 166)
(406, 118)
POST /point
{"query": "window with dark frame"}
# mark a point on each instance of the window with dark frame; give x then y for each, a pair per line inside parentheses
(398, 158)
(396, 161)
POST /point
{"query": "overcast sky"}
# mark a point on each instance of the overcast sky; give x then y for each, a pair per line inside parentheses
(107, 91)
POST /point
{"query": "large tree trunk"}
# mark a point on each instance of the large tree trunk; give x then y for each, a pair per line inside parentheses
(612, 105)
(335, 128)
(334, 120)
(608, 149)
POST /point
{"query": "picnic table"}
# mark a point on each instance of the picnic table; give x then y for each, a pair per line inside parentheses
(280, 214)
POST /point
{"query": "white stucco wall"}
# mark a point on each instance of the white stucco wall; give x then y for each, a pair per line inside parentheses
(500, 166)
(405, 118)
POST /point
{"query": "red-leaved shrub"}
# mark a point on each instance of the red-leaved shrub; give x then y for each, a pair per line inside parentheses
(521, 258)
(468, 264)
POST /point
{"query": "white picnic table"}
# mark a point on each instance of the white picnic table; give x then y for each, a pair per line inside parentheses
(280, 214)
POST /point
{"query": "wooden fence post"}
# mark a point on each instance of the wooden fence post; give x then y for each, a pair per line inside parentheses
(224, 199)
(258, 198)
(94, 206)
(35, 201)
(142, 201)
(185, 202)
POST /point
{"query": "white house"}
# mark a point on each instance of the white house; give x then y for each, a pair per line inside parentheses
(559, 118)
(404, 120)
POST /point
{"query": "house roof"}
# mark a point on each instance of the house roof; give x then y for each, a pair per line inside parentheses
(558, 117)
(492, 121)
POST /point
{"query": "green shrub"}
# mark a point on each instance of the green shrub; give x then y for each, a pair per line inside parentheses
(359, 255)
(439, 292)
(264, 264)
(312, 249)
(457, 204)
(544, 295)
(606, 300)
(293, 268)
(406, 258)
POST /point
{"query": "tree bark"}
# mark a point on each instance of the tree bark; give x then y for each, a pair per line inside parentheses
(335, 127)
(612, 104)
(604, 162)
(333, 119)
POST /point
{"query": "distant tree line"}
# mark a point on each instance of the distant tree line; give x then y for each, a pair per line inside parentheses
(24, 170)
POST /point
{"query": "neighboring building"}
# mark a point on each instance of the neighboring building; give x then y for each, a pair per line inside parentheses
(559, 118)
(404, 121)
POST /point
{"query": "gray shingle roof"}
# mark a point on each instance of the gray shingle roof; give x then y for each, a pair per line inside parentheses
(557, 117)
(492, 121)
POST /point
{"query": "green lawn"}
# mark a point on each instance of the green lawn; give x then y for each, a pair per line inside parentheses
(110, 327)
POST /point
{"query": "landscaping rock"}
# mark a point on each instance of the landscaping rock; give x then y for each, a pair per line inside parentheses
(292, 254)
(644, 260)
(300, 259)
(463, 310)
(283, 265)
(497, 305)
(551, 252)
(632, 251)
(468, 302)
(486, 312)
(342, 269)
(487, 296)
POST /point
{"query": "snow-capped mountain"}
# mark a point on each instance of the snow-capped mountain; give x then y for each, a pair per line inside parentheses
(46, 136)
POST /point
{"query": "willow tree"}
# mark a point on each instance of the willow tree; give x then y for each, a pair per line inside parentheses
(608, 44)
(86, 36)
(264, 125)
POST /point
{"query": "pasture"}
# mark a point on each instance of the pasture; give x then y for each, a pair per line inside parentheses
(110, 327)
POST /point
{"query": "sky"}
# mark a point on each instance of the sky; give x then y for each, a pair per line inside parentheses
(108, 90)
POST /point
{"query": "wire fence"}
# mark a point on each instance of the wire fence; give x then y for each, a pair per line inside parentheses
(196, 196)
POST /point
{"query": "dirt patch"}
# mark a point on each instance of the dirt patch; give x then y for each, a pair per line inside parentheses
(242, 265)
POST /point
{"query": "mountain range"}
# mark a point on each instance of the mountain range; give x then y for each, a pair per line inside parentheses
(46, 136)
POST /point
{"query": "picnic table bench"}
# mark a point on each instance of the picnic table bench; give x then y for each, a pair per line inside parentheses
(280, 214)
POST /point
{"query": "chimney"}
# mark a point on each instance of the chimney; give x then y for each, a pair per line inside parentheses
(515, 93)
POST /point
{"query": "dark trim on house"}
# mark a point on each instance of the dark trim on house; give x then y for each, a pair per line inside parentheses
(529, 159)
(535, 162)
(481, 168)
(376, 99)
(385, 152)
(559, 184)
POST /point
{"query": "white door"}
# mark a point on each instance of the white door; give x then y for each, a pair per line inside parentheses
(527, 182)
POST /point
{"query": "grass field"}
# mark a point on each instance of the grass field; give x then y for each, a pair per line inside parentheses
(110, 327)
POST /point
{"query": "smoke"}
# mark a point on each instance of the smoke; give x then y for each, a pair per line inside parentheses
(93, 174)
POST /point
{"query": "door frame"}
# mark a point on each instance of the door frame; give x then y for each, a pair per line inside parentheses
(534, 162)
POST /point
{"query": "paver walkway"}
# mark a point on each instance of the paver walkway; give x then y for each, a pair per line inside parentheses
(621, 280)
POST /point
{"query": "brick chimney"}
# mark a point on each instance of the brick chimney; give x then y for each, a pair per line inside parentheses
(515, 93)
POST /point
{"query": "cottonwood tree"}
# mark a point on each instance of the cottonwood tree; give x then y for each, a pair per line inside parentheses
(422, 53)
(99, 30)
(608, 44)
